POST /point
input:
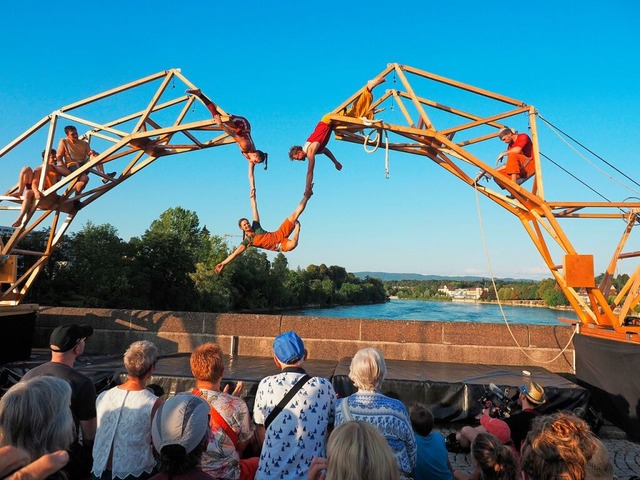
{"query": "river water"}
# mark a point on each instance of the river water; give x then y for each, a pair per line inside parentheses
(443, 311)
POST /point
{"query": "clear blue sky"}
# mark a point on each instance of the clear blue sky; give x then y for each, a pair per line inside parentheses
(284, 64)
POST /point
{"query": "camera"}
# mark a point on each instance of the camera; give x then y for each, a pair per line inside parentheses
(497, 402)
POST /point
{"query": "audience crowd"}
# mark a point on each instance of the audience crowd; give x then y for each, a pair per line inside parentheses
(52, 425)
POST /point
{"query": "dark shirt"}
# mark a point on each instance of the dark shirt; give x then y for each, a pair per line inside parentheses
(83, 392)
(520, 424)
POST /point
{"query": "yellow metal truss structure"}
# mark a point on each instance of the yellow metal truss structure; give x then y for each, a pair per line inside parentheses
(446, 134)
(162, 126)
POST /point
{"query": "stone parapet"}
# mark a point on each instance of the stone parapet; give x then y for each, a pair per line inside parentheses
(325, 338)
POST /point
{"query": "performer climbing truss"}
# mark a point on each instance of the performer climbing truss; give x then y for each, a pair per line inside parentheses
(447, 134)
(161, 127)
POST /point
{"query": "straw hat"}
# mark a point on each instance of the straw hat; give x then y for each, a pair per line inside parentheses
(534, 393)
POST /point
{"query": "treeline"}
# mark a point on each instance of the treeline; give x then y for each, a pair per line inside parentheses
(171, 267)
(546, 289)
(507, 290)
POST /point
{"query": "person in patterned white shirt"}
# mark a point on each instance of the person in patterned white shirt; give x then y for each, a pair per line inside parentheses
(298, 432)
(231, 426)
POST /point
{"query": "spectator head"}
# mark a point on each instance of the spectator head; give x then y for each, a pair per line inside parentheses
(599, 466)
(140, 358)
(288, 349)
(368, 370)
(180, 430)
(495, 460)
(69, 129)
(496, 427)
(35, 416)
(206, 363)
(557, 446)
(534, 393)
(70, 338)
(357, 450)
(421, 419)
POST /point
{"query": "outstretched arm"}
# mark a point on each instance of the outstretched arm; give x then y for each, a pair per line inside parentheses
(238, 251)
(311, 157)
(252, 178)
(254, 205)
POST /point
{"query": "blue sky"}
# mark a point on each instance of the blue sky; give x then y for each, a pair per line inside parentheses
(284, 64)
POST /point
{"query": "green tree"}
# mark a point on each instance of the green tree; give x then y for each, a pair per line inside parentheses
(162, 271)
(184, 226)
(215, 292)
(99, 267)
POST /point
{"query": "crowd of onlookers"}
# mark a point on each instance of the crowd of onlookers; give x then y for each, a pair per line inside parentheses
(52, 425)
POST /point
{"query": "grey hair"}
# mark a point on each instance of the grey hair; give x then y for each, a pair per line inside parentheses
(140, 357)
(368, 370)
(35, 415)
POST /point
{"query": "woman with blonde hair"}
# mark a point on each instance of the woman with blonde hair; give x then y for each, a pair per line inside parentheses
(356, 451)
(122, 447)
(388, 415)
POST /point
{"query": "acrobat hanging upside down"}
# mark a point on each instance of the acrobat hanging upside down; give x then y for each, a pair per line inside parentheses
(317, 141)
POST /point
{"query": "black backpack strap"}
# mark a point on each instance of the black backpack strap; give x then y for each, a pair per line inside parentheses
(286, 399)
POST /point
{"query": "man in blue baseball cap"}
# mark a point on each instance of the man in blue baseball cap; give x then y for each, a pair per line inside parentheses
(295, 403)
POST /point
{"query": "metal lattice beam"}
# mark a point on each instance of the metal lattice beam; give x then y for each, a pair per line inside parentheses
(418, 132)
(165, 125)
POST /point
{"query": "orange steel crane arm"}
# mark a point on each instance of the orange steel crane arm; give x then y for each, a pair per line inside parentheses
(446, 135)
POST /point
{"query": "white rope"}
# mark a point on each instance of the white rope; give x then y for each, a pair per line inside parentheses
(379, 131)
(495, 289)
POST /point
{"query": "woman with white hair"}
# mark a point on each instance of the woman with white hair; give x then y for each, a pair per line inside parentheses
(35, 416)
(122, 447)
(368, 404)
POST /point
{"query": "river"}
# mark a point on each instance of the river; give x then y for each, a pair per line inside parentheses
(442, 311)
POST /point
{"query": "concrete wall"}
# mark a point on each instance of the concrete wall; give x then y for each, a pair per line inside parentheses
(325, 338)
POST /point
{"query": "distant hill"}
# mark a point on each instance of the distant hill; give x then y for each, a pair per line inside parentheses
(384, 276)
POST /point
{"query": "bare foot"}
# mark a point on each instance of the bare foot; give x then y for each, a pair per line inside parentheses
(17, 223)
(338, 165)
(371, 84)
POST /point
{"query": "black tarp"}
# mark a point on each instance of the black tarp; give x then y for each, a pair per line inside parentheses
(610, 369)
(451, 390)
